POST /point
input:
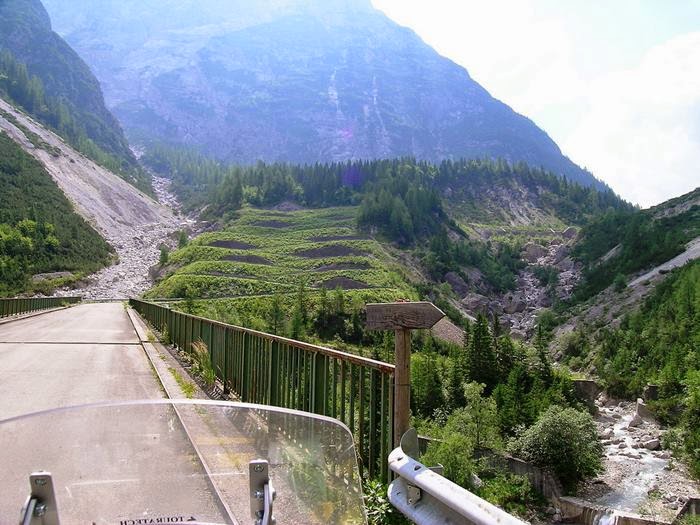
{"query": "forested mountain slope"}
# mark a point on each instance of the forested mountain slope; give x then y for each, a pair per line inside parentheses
(43, 75)
(127, 218)
(298, 81)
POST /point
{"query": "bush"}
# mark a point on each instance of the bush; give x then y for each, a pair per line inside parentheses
(565, 441)
(454, 453)
(379, 510)
(512, 493)
(620, 283)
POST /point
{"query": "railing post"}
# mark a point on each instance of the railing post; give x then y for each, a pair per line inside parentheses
(317, 387)
(224, 375)
(402, 383)
(274, 378)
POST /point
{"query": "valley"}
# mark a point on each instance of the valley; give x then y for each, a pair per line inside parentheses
(278, 170)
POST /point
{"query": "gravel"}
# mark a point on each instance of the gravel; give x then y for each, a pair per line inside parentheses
(138, 249)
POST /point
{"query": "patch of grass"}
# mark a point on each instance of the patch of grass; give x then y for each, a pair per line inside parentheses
(203, 365)
(187, 387)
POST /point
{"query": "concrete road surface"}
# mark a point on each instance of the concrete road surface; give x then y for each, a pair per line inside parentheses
(109, 466)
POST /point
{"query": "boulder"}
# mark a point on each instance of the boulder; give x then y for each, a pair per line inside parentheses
(643, 411)
(496, 307)
(561, 252)
(532, 252)
(475, 302)
(565, 265)
(607, 433)
(514, 303)
(459, 285)
(652, 444)
(635, 421)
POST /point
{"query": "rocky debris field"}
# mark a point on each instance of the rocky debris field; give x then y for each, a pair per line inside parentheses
(639, 475)
(137, 253)
(138, 250)
(517, 310)
(131, 221)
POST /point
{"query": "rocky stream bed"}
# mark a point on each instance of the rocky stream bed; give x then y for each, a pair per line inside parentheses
(639, 475)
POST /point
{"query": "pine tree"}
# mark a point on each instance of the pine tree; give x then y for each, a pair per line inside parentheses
(275, 317)
(543, 364)
(481, 359)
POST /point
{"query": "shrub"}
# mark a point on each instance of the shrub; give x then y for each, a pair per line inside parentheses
(379, 510)
(512, 493)
(164, 256)
(454, 453)
(620, 283)
(565, 441)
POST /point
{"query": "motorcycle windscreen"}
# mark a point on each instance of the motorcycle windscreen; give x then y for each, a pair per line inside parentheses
(181, 462)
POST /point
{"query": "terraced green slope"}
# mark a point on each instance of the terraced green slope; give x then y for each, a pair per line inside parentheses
(267, 252)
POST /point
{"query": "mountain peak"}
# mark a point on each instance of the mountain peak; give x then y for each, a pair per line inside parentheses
(300, 81)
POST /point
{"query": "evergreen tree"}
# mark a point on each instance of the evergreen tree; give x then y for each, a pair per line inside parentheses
(481, 359)
(276, 319)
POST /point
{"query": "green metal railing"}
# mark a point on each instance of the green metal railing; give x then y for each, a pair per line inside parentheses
(271, 370)
(9, 307)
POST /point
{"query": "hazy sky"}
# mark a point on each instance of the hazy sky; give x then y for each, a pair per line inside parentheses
(616, 83)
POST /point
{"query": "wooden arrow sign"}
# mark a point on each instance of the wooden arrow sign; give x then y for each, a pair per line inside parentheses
(395, 316)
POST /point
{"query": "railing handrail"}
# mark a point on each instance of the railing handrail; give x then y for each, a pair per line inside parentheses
(11, 306)
(330, 352)
(273, 370)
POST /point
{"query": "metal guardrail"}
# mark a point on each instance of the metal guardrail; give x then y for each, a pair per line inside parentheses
(270, 370)
(10, 307)
(426, 497)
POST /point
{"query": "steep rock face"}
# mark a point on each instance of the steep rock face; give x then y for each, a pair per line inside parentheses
(293, 80)
(25, 31)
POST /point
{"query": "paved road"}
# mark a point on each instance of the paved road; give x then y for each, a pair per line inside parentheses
(137, 463)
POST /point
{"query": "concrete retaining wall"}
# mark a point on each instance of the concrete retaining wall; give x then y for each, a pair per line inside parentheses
(587, 389)
(584, 512)
(542, 481)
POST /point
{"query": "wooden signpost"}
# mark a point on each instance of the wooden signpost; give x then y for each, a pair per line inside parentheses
(402, 318)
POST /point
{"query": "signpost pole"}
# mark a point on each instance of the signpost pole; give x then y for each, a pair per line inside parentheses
(402, 318)
(402, 383)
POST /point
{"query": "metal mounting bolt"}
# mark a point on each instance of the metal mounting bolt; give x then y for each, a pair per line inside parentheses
(40, 509)
(40, 481)
(259, 494)
(259, 467)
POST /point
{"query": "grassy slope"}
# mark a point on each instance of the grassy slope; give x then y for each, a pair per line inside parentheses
(203, 269)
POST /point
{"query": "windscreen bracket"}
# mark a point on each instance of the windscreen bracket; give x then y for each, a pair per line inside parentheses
(261, 493)
(40, 507)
